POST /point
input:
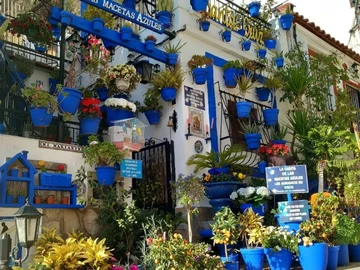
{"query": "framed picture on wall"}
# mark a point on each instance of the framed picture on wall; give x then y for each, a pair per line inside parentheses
(197, 122)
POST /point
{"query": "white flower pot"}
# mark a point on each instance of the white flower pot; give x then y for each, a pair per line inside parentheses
(121, 84)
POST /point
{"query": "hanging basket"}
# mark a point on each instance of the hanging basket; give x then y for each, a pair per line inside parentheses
(226, 35)
(246, 45)
(165, 17)
(230, 75)
(254, 9)
(270, 44)
(243, 109)
(262, 53)
(152, 116)
(286, 21)
(205, 26)
(168, 93)
(200, 75)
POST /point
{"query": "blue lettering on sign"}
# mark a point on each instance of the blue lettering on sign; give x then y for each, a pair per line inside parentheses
(127, 14)
(131, 168)
(287, 179)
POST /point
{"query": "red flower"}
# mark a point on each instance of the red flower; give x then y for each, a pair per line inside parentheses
(60, 168)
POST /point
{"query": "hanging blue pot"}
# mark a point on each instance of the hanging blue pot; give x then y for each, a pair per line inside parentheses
(105, 175)
(109, 44)
(333, 257)
(221, 190)
(199, 5)
(232, 265)
(135, 36)
(246, 45)
(354, 253)
(97, 24)
(165, 18)
(215, 171)
(260, 209)
(65, 19)
(343, 255)
(286, 21)
(39, 48)
(9, 198)
(150, 45)
(172, 58)
(52, 85)
(262, 166)
(200, 75)
(271, 117)
(230, 75)
(253, 258)
(241, 32)
(313, 257)
(226, 35)
(129, 4)
(116, 114)
(168, 93)
(243, 109)
(89, 125)
(126, 33)
(282, 142)
(14, 172)
(254, 8)
(262, 53)
(21, 199)
(71, 102)
(205, 25)
(253, 141)
(40, 117)
(263, 93)
(153, 116)
(278, 260)
(217, 204)
(2, 128)
(270, 44)
(56, 31)
(279, 61)
(103, 93)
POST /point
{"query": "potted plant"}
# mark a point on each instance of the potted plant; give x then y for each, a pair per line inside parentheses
(50, 199)
(89, 115)
(103, 155)
(92, 12)
(198, 65)
(276, 154)
(10, 195)
(243, 107)
(278, 135)
(168, 81)
(226, 232)
(65, 197)
(204, 21)
(38, 197)
(286, 19)
(126, 31)
(279, 245)
(165, 9)
(172, 51)
(250, 233)
(231, 73)
(101, 89)
(279, 59)
(95, 56)
(14, 171)
(245, 44)
(271, 115)
(261, 51)
(269, 40)
(252, 135)
(150, 42)
(24, 67)
(118, 109)
(152, 108)
(226, 35)
(254, 8)
(122, 79)
(199, 5)
(43, 105)
(21, 196)
(255, 198)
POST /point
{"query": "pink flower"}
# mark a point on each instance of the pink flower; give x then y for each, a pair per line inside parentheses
(117, 268)
(133, 267)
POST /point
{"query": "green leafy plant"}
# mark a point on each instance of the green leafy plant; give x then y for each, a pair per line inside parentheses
(250, 228)
(169, 77)
(347, 230)
(151, 101)
(278, 239)
(23, 65)
(170, 48)
(352, 193)
(37, 97)
(244, 83)
(231, 64)
(198, 61)
(224, 177)
(250, 128)
(216, 160)
(279, 133)
(165, 5)
(92, 12)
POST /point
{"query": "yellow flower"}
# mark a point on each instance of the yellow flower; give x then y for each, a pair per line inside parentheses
(241, 176)
(41, 163)
(234, 174)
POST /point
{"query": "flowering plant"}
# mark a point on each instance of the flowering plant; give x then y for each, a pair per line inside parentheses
(95, 55)
(250, 228)
(60, 168)
(89, 108)
(273, 150)
(120, 103)
(278, 238)
(37, 97)
(41, 164)
(254, 195)
(127, 73)
(223, 177)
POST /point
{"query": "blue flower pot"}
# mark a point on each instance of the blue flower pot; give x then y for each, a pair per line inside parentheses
(108, 44)
(65, 19)
(172, 58)
(25, 174)
(103, 93)
(263, 93)
(129, 4)
(9, 198)
(97, 24)
(14, 172)
(230, 76)
(243, 109)
(262, 166)
(215, 171)
(205, 25)
(56, 31)
(313, 257)
(71, 102)
(270, 44)
(200, 75)
(149, 45)
(21, 199)
(126, 33)
(217, 204)
(246, 45)
(241, 32)
(262, 53)
(283, 142)
(253, 141)
(290, 226)
(40, 117)
(199, 5)
(232, 265)
(253, 258)
(52, 85)
(279, 62)
(2, 128)
(333, 258)
(116, 114)
(89, 125)
(40, 48)
(226, 35)
(271, 116)
(165, 18)
(254, 8)
(168, 93)
(260, 210)
(135, 36)
(153, 117)
(231, 251)
(343, 255)
(221, 190)
(278, 260)
(354, 253)
(105, 175)
(286, 21)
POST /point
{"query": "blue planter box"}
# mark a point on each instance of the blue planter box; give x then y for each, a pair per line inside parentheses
(55, 180)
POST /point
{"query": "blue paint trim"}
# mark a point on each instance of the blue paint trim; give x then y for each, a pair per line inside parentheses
(108, 34)
(219, 62)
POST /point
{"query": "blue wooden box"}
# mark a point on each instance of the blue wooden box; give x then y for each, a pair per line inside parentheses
(55, 180)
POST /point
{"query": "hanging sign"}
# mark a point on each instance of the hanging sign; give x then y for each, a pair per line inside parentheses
(127, 14)
(287, 179)
(131, 168)
(194, 98)
(293, 211)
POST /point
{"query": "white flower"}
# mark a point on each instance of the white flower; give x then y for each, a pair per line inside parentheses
(120, 103)
(263, 191)
(249, 191)
(93, 143)
(234, 195)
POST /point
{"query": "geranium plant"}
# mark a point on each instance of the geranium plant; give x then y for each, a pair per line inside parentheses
(124, 72)
(273, 150)
(96, 57)
(254, 195)
(120, 103)
(60, 168)
(89, 108)
(250, 228)
(278, 238)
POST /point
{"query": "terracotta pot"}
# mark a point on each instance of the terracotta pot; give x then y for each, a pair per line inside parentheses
(50, 199)
(65, 200)
(281, 160)
(38, 200)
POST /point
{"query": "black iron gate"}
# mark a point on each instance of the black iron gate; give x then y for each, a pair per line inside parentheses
(154, 190)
